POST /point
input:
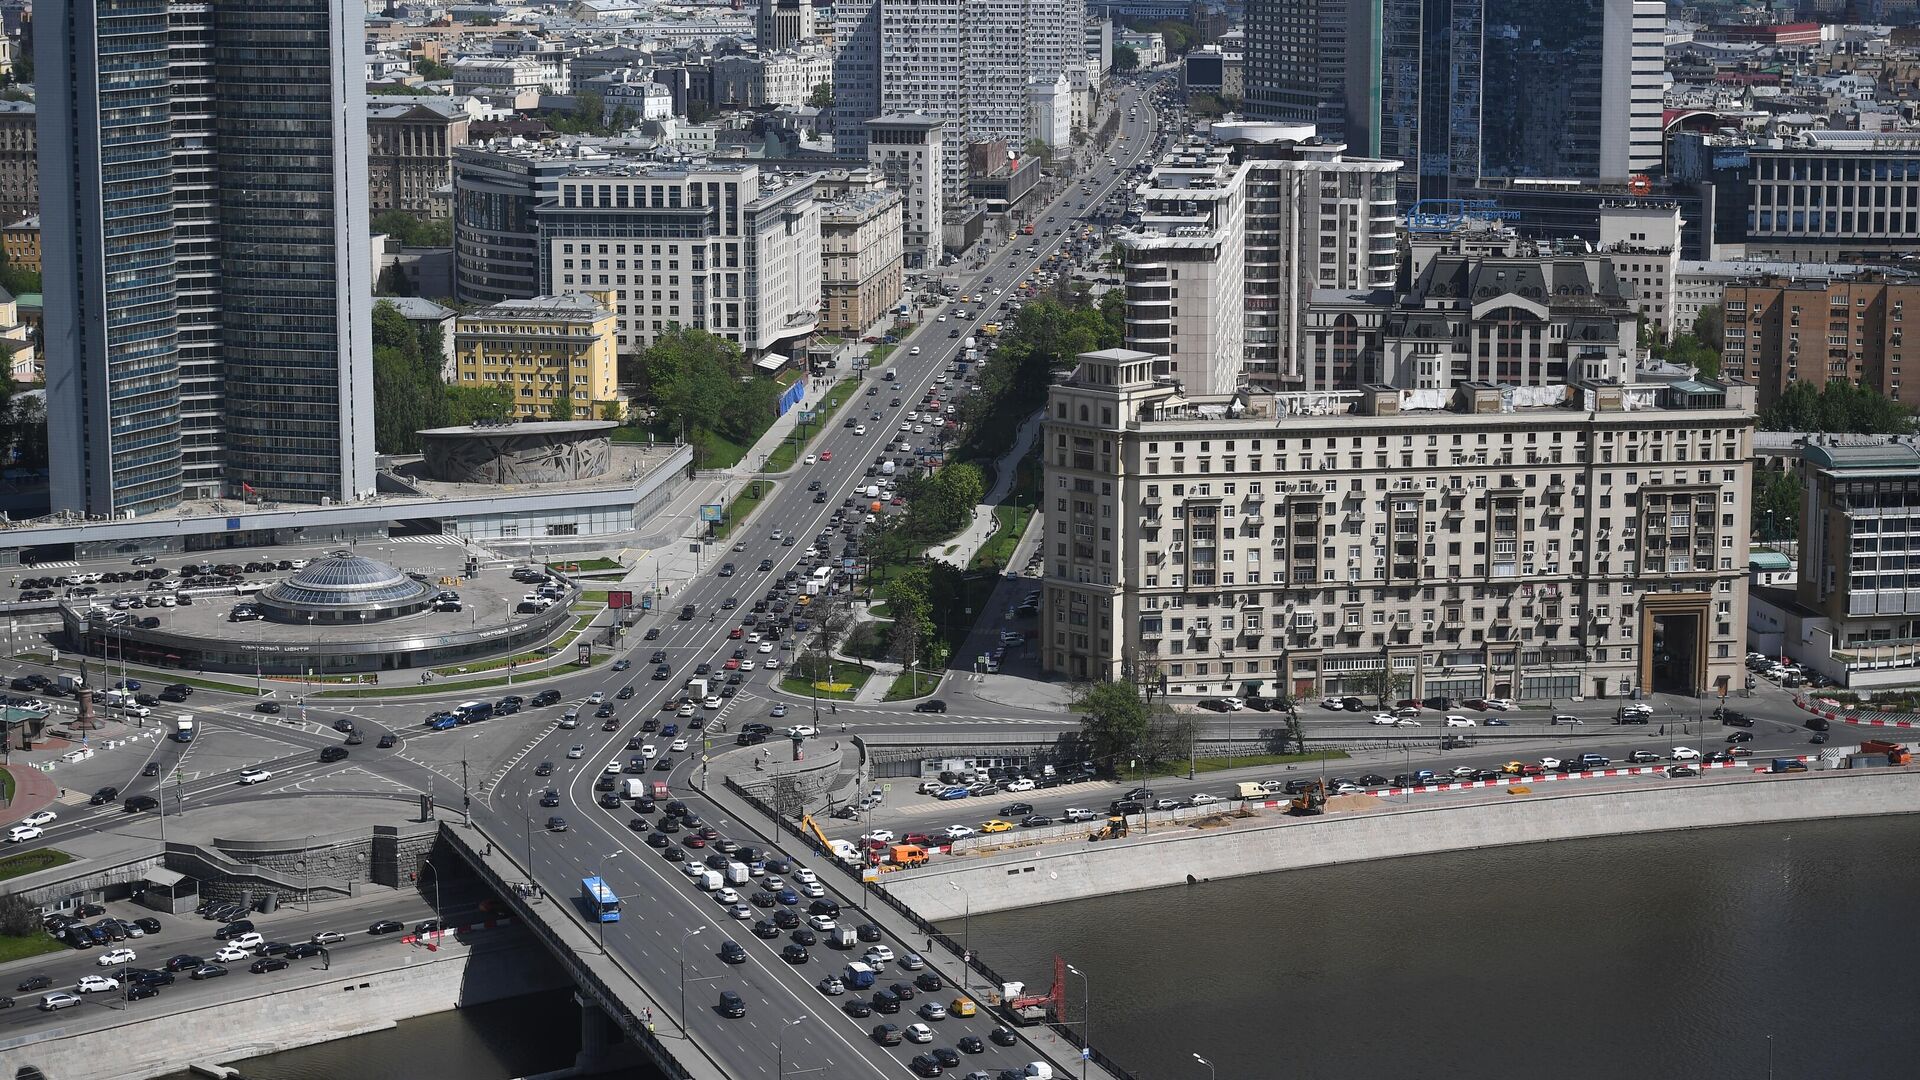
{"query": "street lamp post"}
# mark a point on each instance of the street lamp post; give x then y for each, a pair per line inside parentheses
(966, 933)
(428, 862)
(695, 932)
(599, 924)
(1086, 1018)
(780, 1048)
(1211, 1074)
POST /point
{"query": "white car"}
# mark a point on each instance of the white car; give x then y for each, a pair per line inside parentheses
(598, 697)
(773, 662)
(61, 999)
(1332, 703)
(821, 923)
(801, 731)
(1233, 703)
(958, 832)
(255, 776)
(1203, 799)
(229, 954)
(879, 954)
(612, 768)
(136, 710)
(93, 984)
(726, 896)
(711, 701)
(116, 956)
(20, 834)
(801, 873)
(1384, 719)
(813, 890)
(649, 751)
(677, 745)
(1685, 753)
(767, 647)
(44, 817)
(1549, 762)
(1500, 703)
(1078, 813)
(883, 836)
(747, 665)
(860, 429)
(1022, 784)
(1406, 721)
(1461, 721)
(576, 752)
(810, 459)
(918, 1033)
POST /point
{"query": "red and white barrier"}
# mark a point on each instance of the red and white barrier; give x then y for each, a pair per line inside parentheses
(1834, 713)
(1508, 781)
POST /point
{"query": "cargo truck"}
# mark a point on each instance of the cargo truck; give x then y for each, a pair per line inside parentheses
(738, 874)
(183, 728)
(859, 976)
(710, 880)
(635, 788)
(697, 689)
(1897, 753)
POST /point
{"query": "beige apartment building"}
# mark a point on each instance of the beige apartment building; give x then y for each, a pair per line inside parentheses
(410, 155)
(1534, 542)
(544, 349)
(1852, 328)
(861, 255)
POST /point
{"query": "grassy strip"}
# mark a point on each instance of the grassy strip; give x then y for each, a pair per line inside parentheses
(1249, 761)
(32, 862)
(742, 506)
(6, 787)
(19, 948)
(575, 566)
(1009, 523)
(472, 684)
(879, 353)
(846, 674)
(593, 596)
(793, 445)
(905, 688)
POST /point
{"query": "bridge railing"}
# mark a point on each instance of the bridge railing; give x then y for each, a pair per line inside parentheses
(635, 1026)
(931, 932)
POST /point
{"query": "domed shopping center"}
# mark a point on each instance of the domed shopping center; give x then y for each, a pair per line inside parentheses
(344, 588)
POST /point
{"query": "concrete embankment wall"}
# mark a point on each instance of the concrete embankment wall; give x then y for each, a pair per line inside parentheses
(1075, 871)
(224, 1030)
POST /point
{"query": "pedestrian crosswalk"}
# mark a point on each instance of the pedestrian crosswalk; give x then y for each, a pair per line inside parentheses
(53, 565)
(441, 539)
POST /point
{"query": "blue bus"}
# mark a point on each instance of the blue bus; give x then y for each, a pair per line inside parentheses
(602, 904)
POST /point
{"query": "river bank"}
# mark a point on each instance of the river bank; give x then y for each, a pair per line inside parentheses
(1066, 871)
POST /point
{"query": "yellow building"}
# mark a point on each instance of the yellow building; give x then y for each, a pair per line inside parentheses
(546, 349)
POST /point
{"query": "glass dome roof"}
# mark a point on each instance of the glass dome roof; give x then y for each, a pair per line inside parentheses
(342, 583)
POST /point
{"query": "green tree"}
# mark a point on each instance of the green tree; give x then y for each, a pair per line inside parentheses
(1776, 504)
(610, 410)
(1836, 407)
(562, 407)
(822, 96)
(474, 404)
(1384, 687)
(412, 230)
(432, 69)
(1125, 58)
(394, 282)
(1709, 327)
(1116, 723)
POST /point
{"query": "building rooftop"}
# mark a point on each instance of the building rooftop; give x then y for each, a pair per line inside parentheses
(542, 308)
(419, 308)
(1768, 560)
(1866, 453)
(533, 427)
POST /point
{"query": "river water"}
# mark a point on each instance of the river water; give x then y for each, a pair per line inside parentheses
(1664, 955)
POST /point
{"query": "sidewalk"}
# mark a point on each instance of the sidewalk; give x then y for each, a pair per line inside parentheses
(33, 791)
(960, 549)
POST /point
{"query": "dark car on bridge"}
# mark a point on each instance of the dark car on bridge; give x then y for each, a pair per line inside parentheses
(731, 1006)
(556, 823)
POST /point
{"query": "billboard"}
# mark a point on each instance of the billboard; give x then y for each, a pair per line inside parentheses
(619, 599)
(712, 512)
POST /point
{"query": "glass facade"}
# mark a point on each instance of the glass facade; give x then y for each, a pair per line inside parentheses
(208, 285)
(1540, 88)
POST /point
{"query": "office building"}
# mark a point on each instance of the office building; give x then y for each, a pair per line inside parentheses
(779, 24)
(410, 154)
(910, 150)
(862, 253)
(1783, 330)
(1465, 89)
(1474, 541)
(1857, 615)
(19, 161)
(1641, 237)
(1834, 196)
(1183, 265)
(204, 235)
(545, 350)
(721, 247)
(496, 186)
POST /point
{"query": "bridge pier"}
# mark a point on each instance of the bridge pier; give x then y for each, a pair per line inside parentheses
(600, 1036)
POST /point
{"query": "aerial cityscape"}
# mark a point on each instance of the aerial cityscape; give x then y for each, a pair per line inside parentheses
(955, 524)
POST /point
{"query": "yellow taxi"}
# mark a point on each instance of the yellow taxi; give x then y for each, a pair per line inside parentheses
(1512, 768)
(962, 1006)
(996, 826)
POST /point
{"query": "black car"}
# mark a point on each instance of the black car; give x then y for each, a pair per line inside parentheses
(343, 725)
(886, 1035)
(34, 982)
(152, 768)
(925, 1065)
(387, 926)
(765, 930)
(786, 918)
(208, 971)
(104, 796)
(823, 906)
(301, 950)
(267, 707)
(1745, 736)
(550, 799)
(732, 953)
(857, 1007)
(731, 1006)
(1018, 809)
(972, 1045)
(947, 1056)
(803, 937)
(545, 768)
(1818, 723)
(183, 962)
(867, 932)
(903, 991)
(1001, 1036)
(624, 693)
(546, 697)
(610, 800)
(234, 929)
(556, 823)
(149, 977)
(268, 963)
(795, 954)
(333, 753)
(388, 742)
(928, 982)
